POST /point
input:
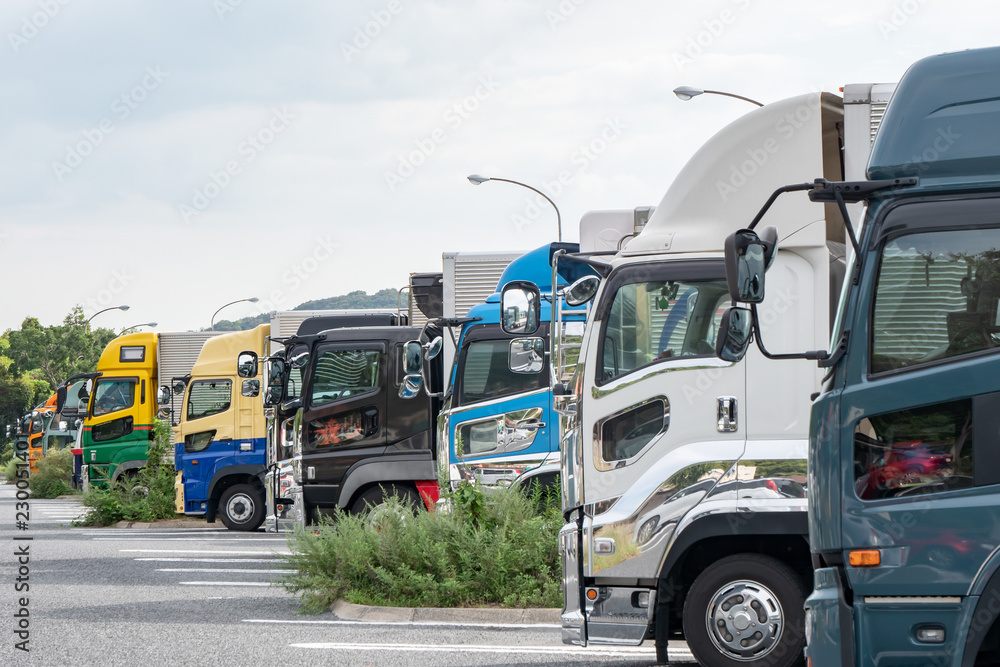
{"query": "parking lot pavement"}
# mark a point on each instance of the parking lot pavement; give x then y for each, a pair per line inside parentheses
(209, 596)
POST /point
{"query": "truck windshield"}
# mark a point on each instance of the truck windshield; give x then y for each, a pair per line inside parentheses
(113, 396)
(937, 297)
(654, 321)
(485, 373)
(209, 397)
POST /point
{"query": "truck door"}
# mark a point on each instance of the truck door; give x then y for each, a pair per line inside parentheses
(345, 416)
(660, 417)
(501, 423)
(208, 435)
(921, 408)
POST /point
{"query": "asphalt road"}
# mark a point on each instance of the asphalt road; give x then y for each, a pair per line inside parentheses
(210, 596)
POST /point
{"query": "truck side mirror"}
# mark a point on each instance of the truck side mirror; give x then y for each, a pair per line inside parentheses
(526, 355)
(179, 387)
(769, 237)
(411, 386)
(251, 388)
(275, 382)
(745, 266)
(735, 334)
(520, 308)
(163, 413)
(163, 395)
(60, 397)
(434, 347)
(413, 358)
(246, 365)
(581, 291)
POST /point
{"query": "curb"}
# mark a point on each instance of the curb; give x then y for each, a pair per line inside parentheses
(167, 523)
(477, 615)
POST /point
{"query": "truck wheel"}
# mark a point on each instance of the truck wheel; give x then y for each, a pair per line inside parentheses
(746, 609)
(242, 508)
(374, 499)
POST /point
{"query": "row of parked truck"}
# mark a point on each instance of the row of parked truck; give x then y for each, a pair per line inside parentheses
(708, 484)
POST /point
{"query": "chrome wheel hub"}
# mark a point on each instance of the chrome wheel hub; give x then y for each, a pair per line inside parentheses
(744, 620)
(240, 507)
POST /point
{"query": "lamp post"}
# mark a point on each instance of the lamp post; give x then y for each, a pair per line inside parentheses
(136, 326)
(687, 92)
(252, 299)
(123, 308)
(476, 179)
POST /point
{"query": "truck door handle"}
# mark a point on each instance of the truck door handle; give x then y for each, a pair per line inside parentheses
(530, 425)
(727, 414)
(369, 421)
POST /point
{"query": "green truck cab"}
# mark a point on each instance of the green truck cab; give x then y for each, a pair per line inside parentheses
(904, 451)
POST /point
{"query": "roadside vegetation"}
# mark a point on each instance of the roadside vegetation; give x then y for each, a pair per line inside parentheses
(145, 496)
(54, 477)
(498, 549)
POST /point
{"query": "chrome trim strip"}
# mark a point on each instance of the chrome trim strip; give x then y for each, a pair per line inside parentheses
(657, 368)
(503, 399)
(913, 599)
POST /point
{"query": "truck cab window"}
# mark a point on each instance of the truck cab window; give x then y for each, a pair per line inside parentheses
(653, 321)
(937, 297)
(209, 397)
(293, 386)
(113, 396)
(914, 452)
(486, 374)
(343, 374)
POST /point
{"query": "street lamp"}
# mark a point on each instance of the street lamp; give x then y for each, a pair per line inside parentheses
(136, 326)
(687, 92)
(252, 299)
(104, 311)
(476, 179)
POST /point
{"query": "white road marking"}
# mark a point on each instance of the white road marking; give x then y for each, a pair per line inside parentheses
(182, 539)
(203, 551)
(222, 569)
(637, 653)
(213, 560)
(226, 583)
(450, 624)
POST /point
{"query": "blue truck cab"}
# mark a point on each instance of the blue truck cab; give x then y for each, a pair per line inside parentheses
(497, 422)
(904, 450)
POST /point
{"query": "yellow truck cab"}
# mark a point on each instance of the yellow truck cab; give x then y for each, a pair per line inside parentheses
(220, 440)
(122, 407)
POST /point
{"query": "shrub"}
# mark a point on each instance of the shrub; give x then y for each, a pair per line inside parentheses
(55, 475)
(146, 496)
(10, 469)
(494, 549)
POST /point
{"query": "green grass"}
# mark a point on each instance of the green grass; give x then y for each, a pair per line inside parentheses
(495, 550)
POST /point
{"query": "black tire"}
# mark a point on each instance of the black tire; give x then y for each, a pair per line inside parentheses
(377, 496)
(768, 598)
(242, 507)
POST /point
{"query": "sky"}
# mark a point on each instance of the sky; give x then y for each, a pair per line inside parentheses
(175, 155)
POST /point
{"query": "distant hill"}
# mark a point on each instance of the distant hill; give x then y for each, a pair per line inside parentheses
(385, 298)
